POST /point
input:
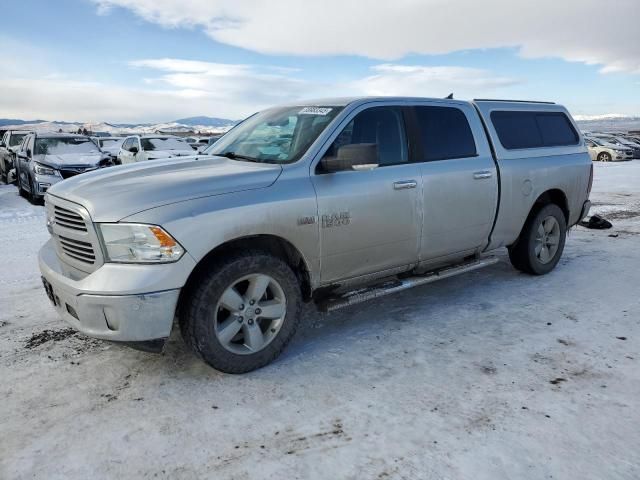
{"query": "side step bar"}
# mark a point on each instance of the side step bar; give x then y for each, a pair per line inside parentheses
(397, 285)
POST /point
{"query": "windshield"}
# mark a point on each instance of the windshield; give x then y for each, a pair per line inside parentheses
(278, 135)
(16, 138)
(111, 142)
(64, 146)
(167, 143)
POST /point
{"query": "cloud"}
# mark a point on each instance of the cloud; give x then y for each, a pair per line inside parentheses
(169, 88)
(575, 30)
(415, 80)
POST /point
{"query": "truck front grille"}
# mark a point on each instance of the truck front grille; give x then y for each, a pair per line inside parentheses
(74, 234)
(81, 251)
(68, 219)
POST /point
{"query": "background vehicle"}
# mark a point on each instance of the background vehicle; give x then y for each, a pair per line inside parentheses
(9, 144)
(603, 151)
(620, 142)
(335, 203)
(152, 147)
(110, 145)
(45, 159)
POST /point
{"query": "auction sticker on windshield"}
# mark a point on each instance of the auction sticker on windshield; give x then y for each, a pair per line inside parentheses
(315, 111)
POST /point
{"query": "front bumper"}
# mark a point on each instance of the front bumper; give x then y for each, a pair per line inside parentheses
(101, 304)
(44, 182)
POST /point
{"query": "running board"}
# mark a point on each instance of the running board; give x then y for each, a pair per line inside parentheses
(397, 285)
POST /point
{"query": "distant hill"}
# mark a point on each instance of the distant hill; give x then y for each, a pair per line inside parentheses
(12, 121)
(202, 125)
(605, 123)
(203, 121)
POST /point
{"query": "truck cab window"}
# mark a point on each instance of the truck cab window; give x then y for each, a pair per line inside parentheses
(383, 126)
(444, 133)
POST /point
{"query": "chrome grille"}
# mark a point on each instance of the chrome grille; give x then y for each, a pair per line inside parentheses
(74, 234)
(81, 251)
(69, 219)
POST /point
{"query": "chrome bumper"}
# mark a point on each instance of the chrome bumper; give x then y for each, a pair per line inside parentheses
(112, 313)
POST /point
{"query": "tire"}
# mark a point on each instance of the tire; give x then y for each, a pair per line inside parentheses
(535, 252)
(206, 318)
(23, 193)
(604, 157)
(34, 198)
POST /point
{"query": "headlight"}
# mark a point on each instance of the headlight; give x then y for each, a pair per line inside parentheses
(138, 243)
(44, 170)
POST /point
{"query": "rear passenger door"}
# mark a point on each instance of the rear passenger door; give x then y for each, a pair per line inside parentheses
(460, 184)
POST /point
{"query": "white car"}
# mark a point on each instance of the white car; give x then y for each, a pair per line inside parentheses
(620, 141)
(110, 145)
(602, 151)
(139, 148)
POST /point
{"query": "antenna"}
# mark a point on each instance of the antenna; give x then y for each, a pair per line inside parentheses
(450, 96)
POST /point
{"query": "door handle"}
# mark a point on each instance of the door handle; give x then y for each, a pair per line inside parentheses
(481, 175)
(404, 184)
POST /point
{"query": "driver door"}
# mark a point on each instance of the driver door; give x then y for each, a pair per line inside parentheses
(370, 220)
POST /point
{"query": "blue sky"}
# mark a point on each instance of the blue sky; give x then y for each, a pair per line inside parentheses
(157, 60)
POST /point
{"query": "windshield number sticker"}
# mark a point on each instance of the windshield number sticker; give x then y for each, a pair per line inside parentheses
(315, 111)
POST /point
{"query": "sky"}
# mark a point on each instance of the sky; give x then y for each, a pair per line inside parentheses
(134, 61)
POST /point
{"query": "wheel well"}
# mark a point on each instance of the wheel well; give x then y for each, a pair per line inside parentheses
(270, 244)
(553, 196)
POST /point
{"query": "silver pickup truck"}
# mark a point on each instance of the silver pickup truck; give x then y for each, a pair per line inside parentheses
(334, 202)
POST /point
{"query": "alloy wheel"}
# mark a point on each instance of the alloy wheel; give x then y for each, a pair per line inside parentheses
(250, 313)
(547, 239)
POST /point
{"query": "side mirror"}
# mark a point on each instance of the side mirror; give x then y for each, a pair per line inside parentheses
(133, 149)
(28, 153)
(358, 156)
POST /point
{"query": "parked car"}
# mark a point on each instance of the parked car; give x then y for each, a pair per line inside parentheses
(206, 142)
(45, 159)
(110, 145)
(333, 203)
(152, 147)
(603, 151)
(9, 144)
(620, 142)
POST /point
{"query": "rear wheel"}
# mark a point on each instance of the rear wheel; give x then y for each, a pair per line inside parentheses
(243, 312)
(541, 242)
(604, 157)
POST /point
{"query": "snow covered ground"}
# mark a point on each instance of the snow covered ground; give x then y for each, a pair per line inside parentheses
(491, 375)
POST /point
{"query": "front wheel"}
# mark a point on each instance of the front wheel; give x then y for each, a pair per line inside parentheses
(243, 312)
(604, 157)
(541, 242)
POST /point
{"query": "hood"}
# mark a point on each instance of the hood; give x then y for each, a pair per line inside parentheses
(111, 194)
(75, 159)
(169, 153)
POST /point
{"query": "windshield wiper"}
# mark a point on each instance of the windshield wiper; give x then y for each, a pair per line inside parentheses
(235, 156)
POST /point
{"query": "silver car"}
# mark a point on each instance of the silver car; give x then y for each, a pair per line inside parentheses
(9, 145)
(333, 202)
(45, 159)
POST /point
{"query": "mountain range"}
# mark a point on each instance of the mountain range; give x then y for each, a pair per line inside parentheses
(213, 125)
(200, 124)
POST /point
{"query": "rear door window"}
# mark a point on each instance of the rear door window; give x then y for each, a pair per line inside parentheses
(444, 133)
(517, 130)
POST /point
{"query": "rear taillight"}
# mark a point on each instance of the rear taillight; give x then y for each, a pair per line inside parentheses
(590, 181)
